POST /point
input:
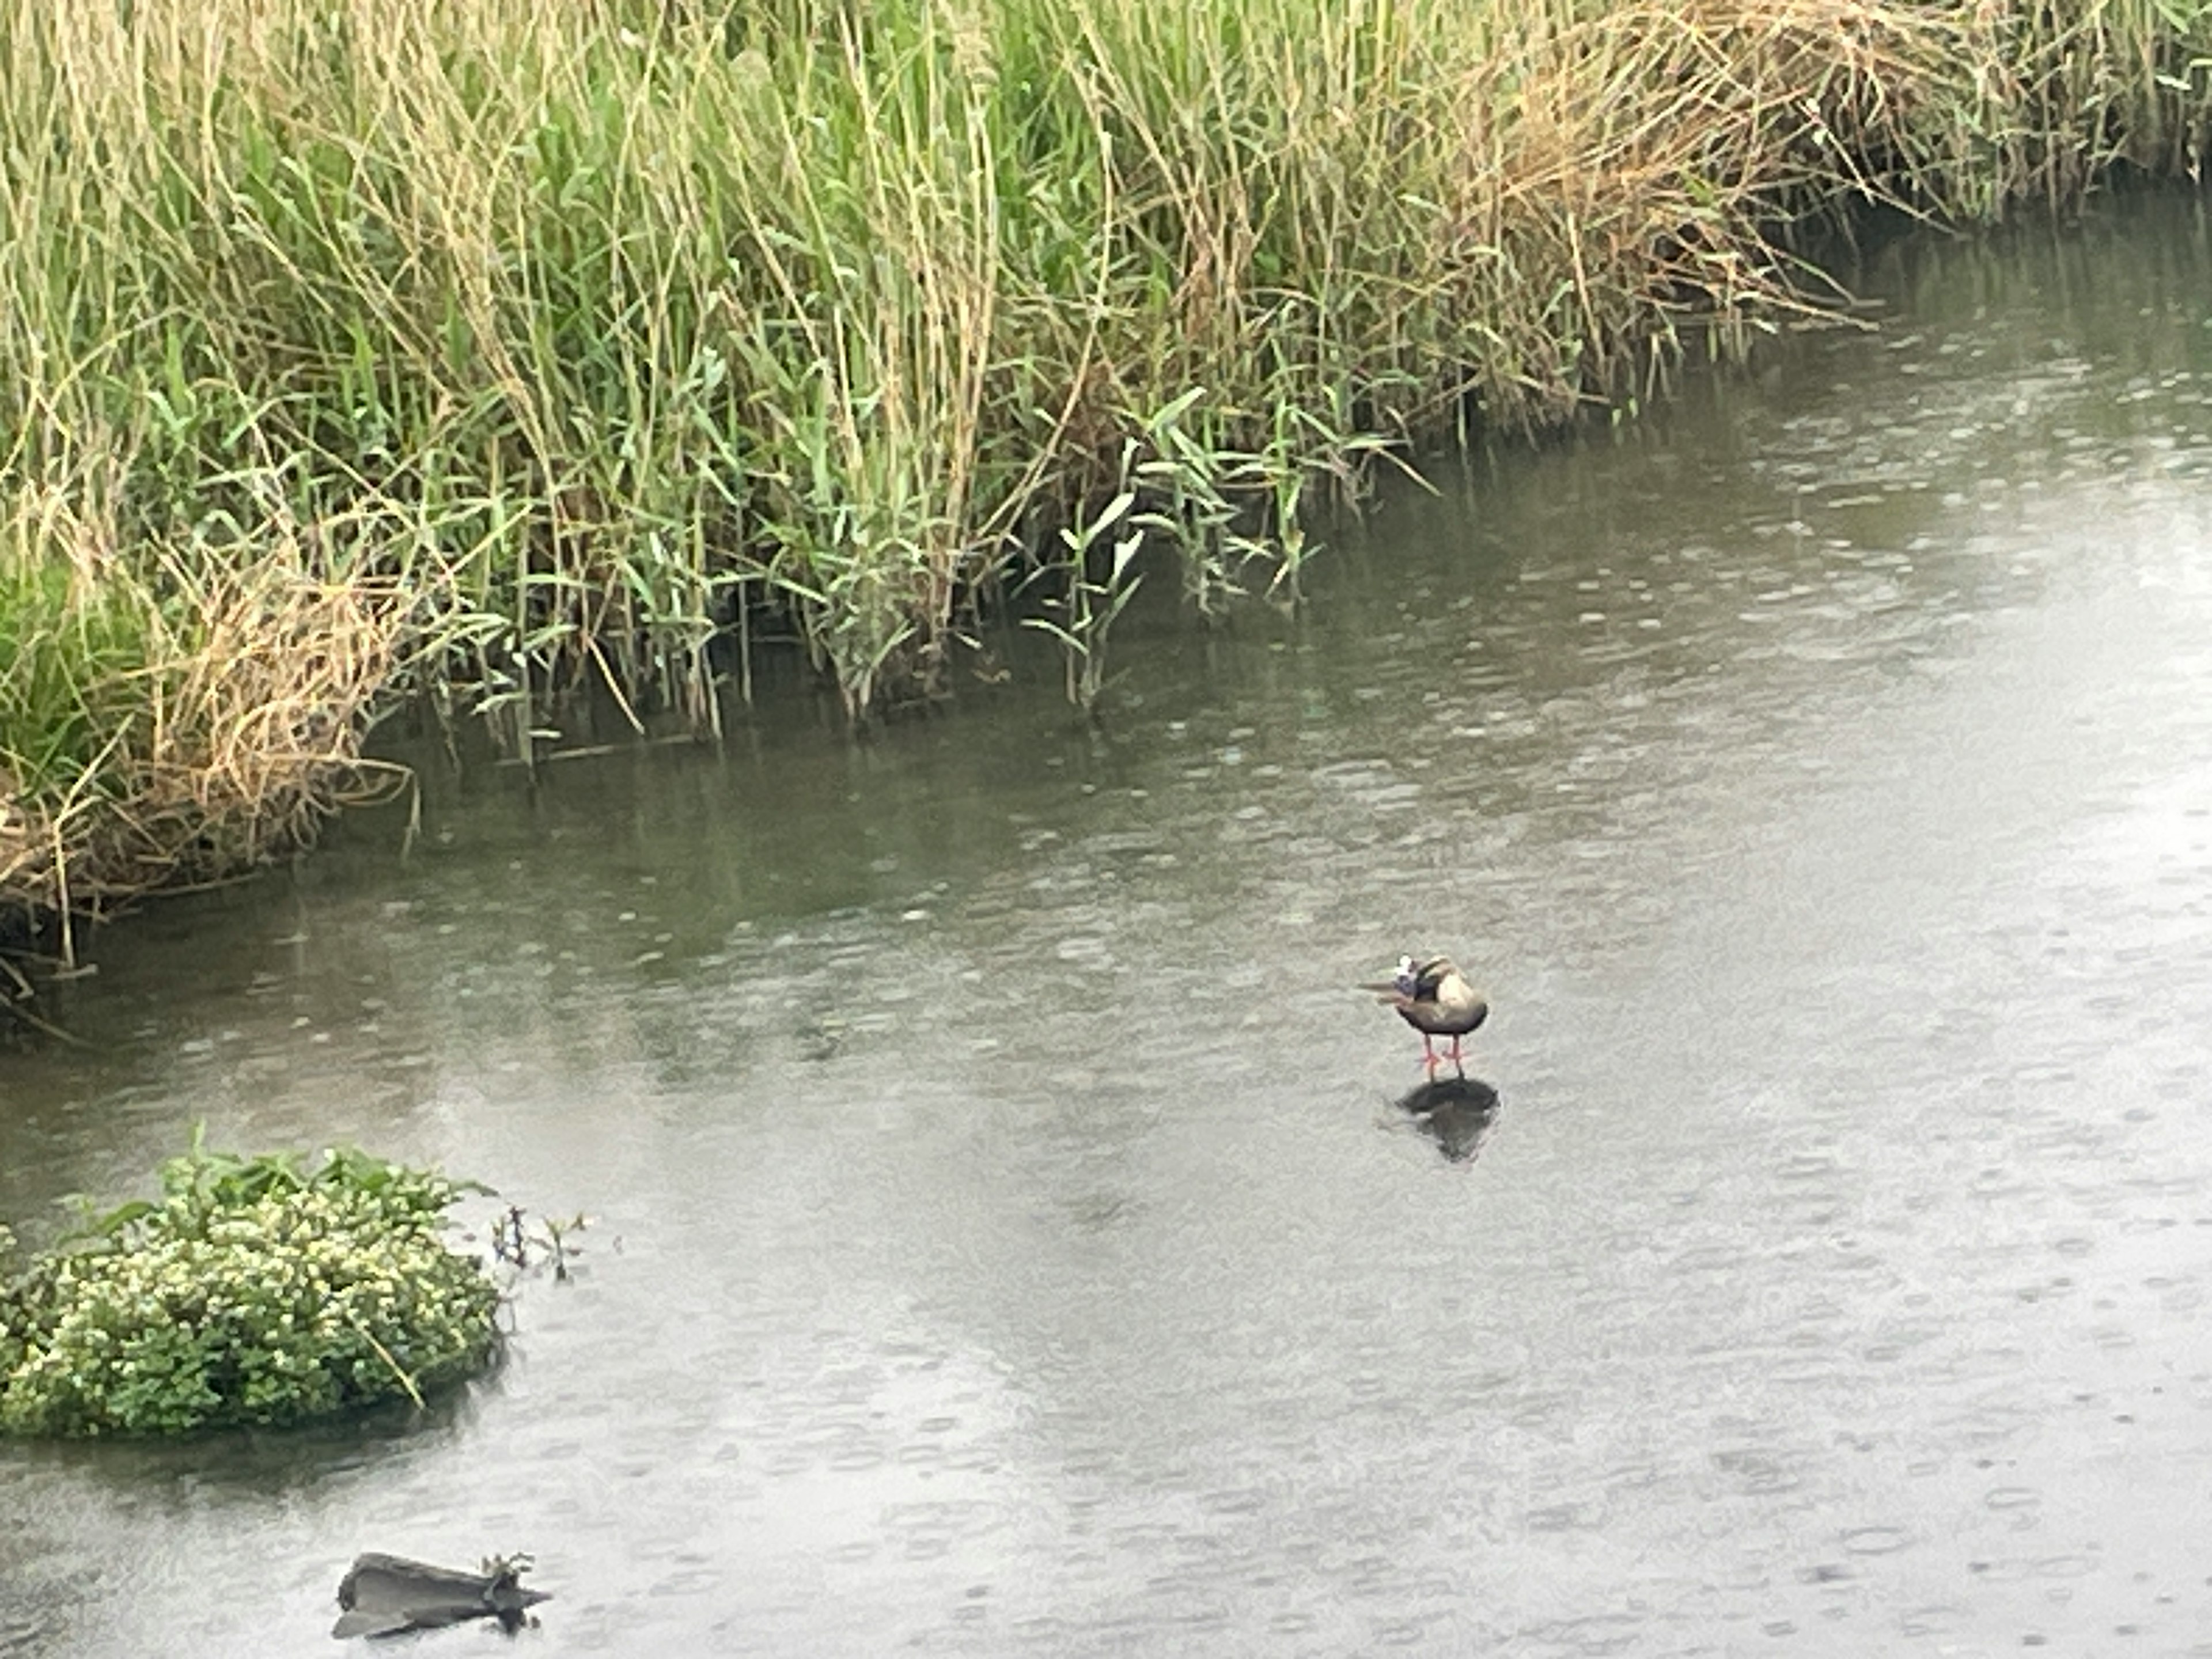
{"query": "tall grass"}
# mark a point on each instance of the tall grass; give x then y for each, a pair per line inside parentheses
(572, 336)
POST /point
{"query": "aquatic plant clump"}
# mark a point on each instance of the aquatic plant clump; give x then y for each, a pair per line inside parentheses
(252, 1293)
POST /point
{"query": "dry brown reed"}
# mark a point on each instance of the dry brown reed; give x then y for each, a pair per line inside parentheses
(227, 741)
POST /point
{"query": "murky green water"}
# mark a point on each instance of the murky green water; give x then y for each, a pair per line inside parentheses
(1009, 1237)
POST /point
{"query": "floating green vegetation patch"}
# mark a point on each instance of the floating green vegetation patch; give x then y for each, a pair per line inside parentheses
(253, 1292)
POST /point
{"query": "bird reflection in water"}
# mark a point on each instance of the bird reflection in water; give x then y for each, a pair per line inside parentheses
(1457, 1112)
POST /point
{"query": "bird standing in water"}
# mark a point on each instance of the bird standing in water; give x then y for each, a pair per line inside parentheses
(1432, 996)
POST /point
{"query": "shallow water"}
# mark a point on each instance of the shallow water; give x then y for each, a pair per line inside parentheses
(1009, 1235)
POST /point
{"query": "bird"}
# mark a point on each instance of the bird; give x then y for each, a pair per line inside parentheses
(1432, 996)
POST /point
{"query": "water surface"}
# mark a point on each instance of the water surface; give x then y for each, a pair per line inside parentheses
(1011, 1237)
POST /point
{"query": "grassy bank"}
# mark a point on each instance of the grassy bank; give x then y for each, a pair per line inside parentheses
(495, 344)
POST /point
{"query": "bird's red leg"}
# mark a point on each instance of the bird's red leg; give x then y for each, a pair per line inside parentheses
(1428, 1056)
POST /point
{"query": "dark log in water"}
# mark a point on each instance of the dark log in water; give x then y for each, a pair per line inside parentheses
(384, 1595)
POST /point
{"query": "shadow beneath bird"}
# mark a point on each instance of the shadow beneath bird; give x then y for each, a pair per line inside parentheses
(1457, 1112)
(384, 1595)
